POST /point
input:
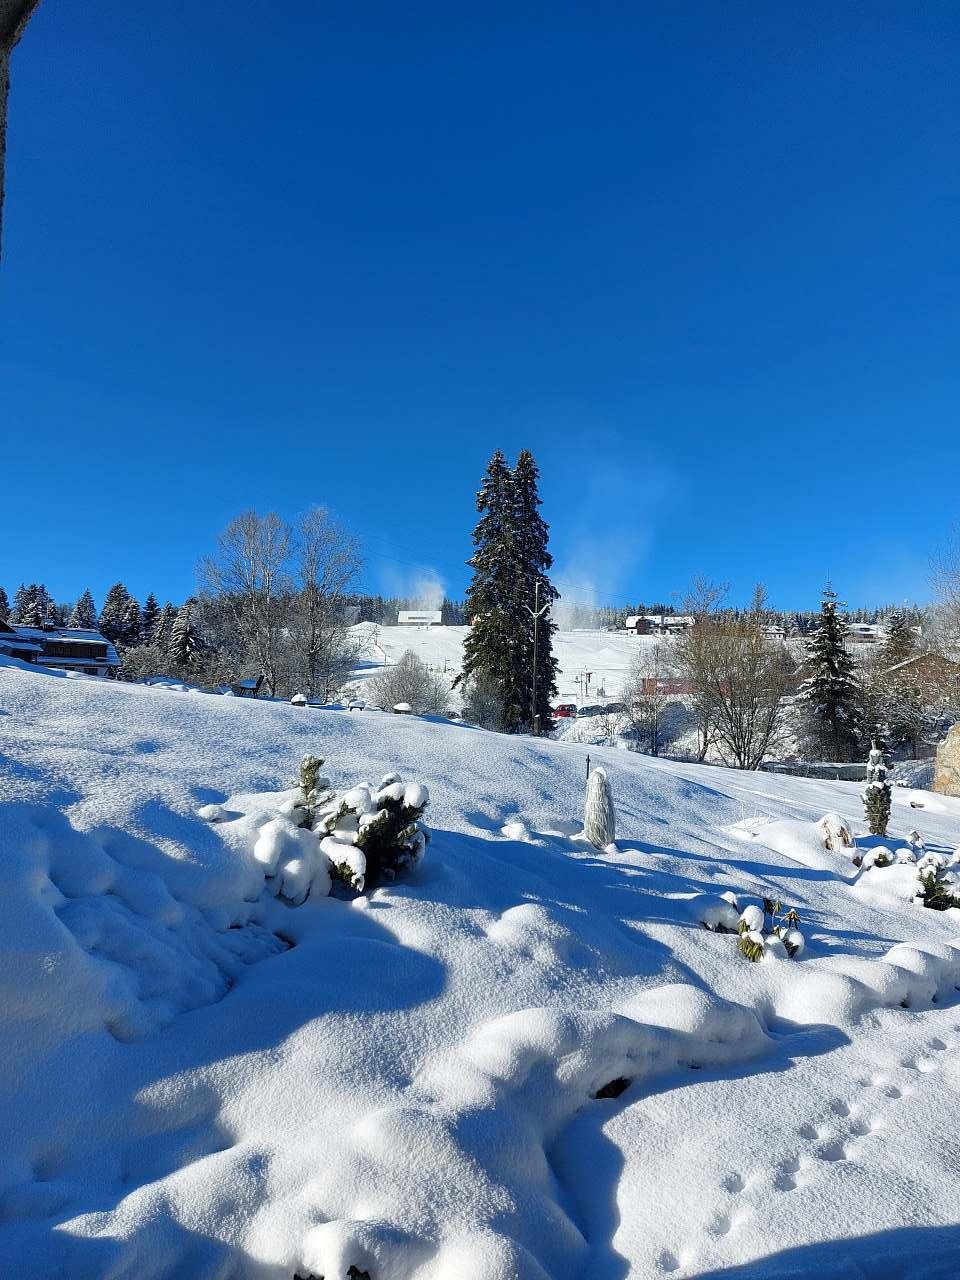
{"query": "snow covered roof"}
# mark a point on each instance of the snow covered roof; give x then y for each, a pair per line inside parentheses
(922, 657)
(10, 640)
(38, 638)
(78, 635)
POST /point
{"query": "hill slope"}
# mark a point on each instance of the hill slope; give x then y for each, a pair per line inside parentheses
(200, 1080)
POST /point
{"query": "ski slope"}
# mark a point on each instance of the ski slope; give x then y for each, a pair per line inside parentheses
(201, 1080)
(606, 655)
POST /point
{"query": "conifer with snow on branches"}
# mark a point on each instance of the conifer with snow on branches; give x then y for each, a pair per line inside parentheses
(877, 794)
(84, 614)
(831, 693)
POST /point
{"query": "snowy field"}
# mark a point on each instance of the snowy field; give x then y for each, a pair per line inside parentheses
(202, 1081)
(607, 655)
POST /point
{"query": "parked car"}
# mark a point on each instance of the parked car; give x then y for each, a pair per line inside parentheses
(595, 710)
(565, 711)
(616, 708)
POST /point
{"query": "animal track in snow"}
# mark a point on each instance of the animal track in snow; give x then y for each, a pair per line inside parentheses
(825, 1144)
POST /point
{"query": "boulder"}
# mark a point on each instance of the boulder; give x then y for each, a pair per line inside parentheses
(946, 778)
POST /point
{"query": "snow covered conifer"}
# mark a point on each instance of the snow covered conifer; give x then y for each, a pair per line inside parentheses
(163, 628)
(132, 628)
(21, 599)
(149, 617)
(84, 612)
(4, 606)
(599, 815)
(371, 834)
(532, 586)
(830, 693)
(186, 644)
(112, 614)
(901, 641)
(489, 652)
(877, 794)
(30, 605)
(510, 564)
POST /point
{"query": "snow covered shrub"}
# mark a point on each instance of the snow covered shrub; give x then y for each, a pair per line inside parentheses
(836, 832)
(599, 815)
(410, 683)
(936, 883)
(370, 834)
(781, 939)
(877, 794)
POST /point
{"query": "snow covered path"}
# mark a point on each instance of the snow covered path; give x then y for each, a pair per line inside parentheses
(198, 1080)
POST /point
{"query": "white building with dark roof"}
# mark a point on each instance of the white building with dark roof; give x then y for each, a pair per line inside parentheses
(419, 618)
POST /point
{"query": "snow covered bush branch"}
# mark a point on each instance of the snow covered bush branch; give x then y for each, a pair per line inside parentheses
(361, 837)
(782, 938)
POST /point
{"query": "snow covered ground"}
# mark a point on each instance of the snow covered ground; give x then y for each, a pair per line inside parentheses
(200, 1080)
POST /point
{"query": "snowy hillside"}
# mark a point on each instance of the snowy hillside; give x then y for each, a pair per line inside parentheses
(607, 655)
(202, 1080)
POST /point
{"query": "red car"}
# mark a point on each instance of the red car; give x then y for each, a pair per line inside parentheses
(565, 711)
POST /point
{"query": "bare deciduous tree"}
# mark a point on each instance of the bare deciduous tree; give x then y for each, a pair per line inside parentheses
(326, 561)
(647, 694)
(273, 599)
(410, 680)
(740, 677)
(249, 575)
(944, 634)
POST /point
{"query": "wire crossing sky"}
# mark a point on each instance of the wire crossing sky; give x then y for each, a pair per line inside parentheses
(701, 259)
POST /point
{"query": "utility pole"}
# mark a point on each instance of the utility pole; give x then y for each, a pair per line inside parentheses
(536, 613)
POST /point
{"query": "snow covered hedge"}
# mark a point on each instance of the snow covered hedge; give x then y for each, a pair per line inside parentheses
(361, 837)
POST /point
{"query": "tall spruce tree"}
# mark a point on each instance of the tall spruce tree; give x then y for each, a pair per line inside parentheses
(533, 589)
(509, 561)
(489, 649)
(31, 605)
(4, 606)
(164, 627)
(900, 642)
(21, 599)
(112, 613)
(830, 693)
(149, 618)
(185, 647)
(132, 629)
(84, 613)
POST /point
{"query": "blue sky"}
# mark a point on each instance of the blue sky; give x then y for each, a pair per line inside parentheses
(701, 258)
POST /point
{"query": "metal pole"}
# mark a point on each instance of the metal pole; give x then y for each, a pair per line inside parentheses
(537, 613)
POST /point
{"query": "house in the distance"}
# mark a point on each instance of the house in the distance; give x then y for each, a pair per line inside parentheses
(419, 618)
(15, 645)
(63, 648)
(658, 624)
(865, 632)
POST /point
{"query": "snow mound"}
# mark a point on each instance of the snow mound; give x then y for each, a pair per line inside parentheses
(94, 942)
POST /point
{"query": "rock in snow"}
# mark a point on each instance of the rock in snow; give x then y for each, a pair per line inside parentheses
(200, 1078)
